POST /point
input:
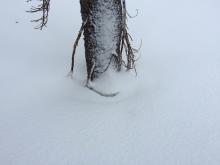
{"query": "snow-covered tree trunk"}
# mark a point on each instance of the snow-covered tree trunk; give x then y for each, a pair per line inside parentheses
(102, 34)
(105, 34)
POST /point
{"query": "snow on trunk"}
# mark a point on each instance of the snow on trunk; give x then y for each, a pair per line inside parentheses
(102, 33)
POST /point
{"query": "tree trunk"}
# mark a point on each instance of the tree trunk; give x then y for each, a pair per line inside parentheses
(105, 34)
(102, 34)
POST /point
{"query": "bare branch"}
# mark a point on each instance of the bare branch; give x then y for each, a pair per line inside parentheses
(44, 7)
(76, 43)
(126, 42)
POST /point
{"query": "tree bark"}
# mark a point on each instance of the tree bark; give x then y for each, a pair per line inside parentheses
(105, 35)
(102, 34)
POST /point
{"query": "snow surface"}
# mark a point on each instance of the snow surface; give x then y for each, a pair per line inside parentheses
(168, 115)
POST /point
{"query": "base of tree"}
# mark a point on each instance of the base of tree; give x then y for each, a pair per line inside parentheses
(105, 37)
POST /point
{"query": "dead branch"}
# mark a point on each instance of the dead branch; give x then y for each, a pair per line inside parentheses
(75, 45)
(44, 7)
(126, 41)
(89, 78)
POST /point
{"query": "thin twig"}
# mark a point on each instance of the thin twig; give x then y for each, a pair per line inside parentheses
(44, 8)
(75, 45)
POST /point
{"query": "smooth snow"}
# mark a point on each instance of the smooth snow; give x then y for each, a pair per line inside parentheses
(168, 115)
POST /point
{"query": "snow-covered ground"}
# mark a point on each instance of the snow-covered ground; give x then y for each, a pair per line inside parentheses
(168, 115)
